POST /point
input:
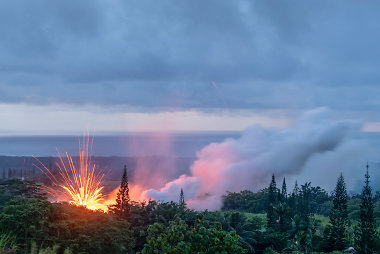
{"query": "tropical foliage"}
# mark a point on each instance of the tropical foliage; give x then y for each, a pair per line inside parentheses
(268, 221)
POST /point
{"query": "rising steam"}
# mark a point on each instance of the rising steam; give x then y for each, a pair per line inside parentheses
(248, 161)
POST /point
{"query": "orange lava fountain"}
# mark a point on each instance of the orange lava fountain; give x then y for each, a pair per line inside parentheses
(80, 185)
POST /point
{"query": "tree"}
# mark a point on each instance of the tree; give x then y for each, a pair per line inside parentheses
(305, 232)
(283, 210)
(202, 238)
(182, 199)
(304, 205)
(284, 217)
(87, 231)
(238, 222)
(293, 199)
(367, 235)
(272, 204)
(246, 201)
(24, 217)
(16, 188)
(284, 193)
(122, 206)
(339, 217)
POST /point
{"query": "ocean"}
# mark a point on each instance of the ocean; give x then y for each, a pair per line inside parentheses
(131, 144)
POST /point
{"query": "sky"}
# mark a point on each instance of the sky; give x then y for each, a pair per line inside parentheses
(115, 66)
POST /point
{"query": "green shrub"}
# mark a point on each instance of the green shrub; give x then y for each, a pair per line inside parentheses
(179, 238)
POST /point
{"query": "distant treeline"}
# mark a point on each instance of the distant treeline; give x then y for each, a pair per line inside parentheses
(321, 202)
(23, 166)
(19, 173)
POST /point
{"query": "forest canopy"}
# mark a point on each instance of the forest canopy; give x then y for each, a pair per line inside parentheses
(302, 220)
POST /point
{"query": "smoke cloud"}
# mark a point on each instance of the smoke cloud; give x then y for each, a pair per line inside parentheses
(247, 162)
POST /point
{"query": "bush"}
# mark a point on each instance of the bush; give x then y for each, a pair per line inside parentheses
(83, 230)
(179, 238)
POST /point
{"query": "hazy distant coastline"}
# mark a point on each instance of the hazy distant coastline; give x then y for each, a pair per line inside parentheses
(130, 144)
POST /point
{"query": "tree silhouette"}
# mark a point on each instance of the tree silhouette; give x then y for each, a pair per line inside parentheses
(367, 231)
(182, 199)
(272, 215)
(339, 217)
(238, 222)
(123, 201)
(304, 205)
(294, 199)
(283, 210)
(284, 193)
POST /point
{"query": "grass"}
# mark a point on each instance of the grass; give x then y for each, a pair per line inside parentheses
(260, 215)
(250, 215)
(323, 219)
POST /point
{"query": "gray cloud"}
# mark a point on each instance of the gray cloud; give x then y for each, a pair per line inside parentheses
(262, 54)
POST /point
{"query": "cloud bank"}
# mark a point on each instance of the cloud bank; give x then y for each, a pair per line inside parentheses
(154, 56)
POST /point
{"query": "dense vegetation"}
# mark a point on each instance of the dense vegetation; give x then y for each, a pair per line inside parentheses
(305, 220)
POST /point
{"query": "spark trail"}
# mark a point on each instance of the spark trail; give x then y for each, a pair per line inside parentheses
(78, 184)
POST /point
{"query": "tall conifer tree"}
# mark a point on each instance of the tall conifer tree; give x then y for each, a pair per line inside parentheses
(181, 199)
(304, 205)
(366, 240)
(293, 202)
(283, 210)
(122, 206)
(284, 193)
(339, 217)
(272, 204)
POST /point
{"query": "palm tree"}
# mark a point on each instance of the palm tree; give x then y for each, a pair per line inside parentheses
(238, 222)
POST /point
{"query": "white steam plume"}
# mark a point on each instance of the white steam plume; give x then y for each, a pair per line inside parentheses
(248, 161)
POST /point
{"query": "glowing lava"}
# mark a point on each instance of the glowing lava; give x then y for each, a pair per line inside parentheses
(78, 184)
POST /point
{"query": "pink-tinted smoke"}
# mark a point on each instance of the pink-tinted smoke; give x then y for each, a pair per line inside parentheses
(248, 161)
(159, 144)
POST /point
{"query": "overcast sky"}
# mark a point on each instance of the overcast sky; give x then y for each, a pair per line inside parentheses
(147, 65)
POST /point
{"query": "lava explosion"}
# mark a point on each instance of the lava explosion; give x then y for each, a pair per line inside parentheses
(80, 185)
